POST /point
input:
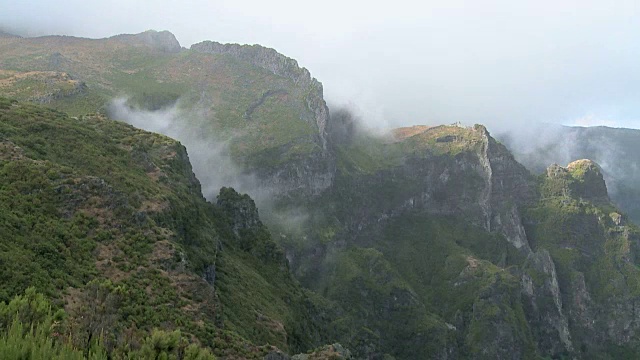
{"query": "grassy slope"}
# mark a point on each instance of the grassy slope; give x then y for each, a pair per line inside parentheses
(93, 200)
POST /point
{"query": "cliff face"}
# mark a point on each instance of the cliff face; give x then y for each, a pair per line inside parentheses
(445, 219)
(280, 65)
(468, 175)
(299, 179)
(396, 211)
(614, 149)
(594, 253)
(543, 304)
(299, 176)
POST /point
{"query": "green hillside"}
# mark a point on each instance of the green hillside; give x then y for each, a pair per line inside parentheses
(109, 223)
(424, 243)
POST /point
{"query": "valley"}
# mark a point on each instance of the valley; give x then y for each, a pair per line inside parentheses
(275, 227)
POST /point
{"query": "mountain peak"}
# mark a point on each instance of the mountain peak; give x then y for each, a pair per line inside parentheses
(583, 178)
(280, 65)
(164, 40)
(583, 166)
(590, 183)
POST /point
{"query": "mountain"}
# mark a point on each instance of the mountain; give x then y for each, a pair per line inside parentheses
(272, 109)
(427, 242)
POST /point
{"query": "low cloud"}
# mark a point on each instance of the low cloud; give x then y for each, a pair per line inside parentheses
(210, 158)
(539, 145)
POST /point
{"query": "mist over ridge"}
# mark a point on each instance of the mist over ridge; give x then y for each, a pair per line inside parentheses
(492, 62)
(420, 242)
(209, 156)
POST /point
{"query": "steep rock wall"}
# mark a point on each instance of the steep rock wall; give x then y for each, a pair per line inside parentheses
(280, 65)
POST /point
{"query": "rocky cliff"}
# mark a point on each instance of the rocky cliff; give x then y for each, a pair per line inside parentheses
(444, 219)
(596, 271)
(280, 65)
(614, 149)
(447, 170)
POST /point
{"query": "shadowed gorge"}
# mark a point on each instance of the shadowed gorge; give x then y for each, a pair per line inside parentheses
(256, 223)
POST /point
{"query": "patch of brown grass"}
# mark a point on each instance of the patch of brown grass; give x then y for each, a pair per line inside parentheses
(105, 263)
(10, 151)
(402, 133)
(155, 206)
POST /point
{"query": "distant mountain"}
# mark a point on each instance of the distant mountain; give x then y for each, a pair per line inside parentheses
(6, 34)
(163, 41)
(427, 242)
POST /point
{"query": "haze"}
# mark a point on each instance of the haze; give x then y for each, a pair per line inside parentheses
(502, 63)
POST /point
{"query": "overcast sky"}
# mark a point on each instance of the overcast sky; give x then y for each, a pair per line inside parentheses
(407, 62)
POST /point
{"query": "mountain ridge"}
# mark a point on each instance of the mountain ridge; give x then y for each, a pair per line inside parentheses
(435, 244)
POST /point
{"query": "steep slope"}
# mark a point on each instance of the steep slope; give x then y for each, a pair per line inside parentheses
(438, 244)
(109, 222)
(417, 231)
(594, 249)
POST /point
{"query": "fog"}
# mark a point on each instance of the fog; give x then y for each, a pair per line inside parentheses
(210, 158)
(541, 145)
(502, 63)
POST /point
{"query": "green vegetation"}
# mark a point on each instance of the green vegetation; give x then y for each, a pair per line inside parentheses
(450, 140)
(282, 125)
(407, 254)
(30, 330)
(119, 235)
(584, 243)
(367, 155)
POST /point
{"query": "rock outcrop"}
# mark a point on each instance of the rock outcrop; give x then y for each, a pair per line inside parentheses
(508, 187)
(544, 305)
(240, 209)
(581, 179)
(163, 41)
(589, 182)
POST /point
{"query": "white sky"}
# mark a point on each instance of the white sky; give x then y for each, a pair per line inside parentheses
(407, 62)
